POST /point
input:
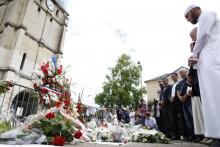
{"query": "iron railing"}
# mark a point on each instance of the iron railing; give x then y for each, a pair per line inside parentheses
(18, 102)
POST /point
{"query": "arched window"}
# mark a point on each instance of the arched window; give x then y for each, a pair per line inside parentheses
(38, 9)
(22, 61)
(25, 103)
(57, 12)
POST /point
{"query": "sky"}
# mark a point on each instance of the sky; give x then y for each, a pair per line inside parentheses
(153, 32)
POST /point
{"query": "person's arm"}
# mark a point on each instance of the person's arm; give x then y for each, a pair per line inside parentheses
(206, 22)
(179, 96)
(171, 99)
(185, 97)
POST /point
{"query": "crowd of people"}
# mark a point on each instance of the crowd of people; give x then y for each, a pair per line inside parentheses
(189, 109)
(141, 116)
(173, 110)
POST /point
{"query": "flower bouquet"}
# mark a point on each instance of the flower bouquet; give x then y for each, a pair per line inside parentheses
(149, 136)
(58, 122)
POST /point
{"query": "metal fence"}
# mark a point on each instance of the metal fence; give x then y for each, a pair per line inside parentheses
(18, 102)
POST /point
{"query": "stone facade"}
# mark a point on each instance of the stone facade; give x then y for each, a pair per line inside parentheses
(29, 33)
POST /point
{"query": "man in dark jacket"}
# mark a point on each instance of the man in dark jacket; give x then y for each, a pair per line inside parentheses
(166, 107)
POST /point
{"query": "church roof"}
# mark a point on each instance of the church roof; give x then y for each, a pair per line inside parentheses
(165, 75)
(61, 5)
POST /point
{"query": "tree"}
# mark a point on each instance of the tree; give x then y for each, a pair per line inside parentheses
(122, 85)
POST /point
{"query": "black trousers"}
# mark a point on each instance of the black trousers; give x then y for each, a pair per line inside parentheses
(167, 120)
(160, 121)
(178, 122)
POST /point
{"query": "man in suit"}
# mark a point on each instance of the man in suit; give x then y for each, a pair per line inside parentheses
(177, 111)
(167, 112)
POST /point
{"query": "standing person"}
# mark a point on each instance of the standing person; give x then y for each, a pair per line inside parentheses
(207, 50)
(187, 106)
(198, 120)
(132, 117)
(161, 119)
(143, 110)
(119, 114)
(156, 113)
(167, 114)
(177, 111)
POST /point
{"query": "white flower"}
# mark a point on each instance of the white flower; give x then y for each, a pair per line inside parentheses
(49, 73)
(53, 96)
(46, 98)
(39, 82)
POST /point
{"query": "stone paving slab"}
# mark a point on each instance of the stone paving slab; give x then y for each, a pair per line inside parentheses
(131, 144)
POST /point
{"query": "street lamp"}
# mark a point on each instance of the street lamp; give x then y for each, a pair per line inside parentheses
(140, 67)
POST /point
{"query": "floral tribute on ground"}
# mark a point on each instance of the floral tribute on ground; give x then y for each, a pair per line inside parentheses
(58, 122)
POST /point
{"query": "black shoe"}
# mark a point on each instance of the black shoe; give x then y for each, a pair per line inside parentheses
(190, 138)
(215, 143)
(198, 139)
(182, 138)
(172, 138)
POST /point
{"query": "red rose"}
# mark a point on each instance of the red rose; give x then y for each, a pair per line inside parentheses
(50, 115)
(67, 102)
(58, 140)
(62, 96)
(79, 107)
(78, 134)
(10, 84)
(59, 71)
(43, 90)
(44, 68)
(58, 104)
(44, 81)
(35, 86)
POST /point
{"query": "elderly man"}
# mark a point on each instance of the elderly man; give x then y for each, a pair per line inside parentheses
(186, 105)
(207, 50)
(198, 120)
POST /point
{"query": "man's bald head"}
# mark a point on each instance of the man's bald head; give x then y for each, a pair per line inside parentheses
(193, 34)
(183, 73)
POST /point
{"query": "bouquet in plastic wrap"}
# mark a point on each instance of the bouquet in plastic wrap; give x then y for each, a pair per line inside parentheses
(117, 132)
(58, 122)
(149, 136)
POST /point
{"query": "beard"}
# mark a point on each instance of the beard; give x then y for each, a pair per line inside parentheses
(195, 18)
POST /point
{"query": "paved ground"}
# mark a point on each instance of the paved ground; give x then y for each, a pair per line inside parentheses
(174, 144)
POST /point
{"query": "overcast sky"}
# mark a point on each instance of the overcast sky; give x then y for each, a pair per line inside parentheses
(153, 32)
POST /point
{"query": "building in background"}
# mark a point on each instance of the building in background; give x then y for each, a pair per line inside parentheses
(153, 89)
(30, 31)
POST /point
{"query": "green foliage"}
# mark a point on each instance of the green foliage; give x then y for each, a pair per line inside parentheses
(5, 126)
(3, 87)
(57, 126)
(122, 87)
(150, 104)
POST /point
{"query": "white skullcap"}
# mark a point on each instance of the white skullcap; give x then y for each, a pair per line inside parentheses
(189, 9)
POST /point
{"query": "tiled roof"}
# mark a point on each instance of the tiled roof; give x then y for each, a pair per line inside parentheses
(165, 75)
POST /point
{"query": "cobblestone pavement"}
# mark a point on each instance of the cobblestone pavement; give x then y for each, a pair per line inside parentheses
(131, 144)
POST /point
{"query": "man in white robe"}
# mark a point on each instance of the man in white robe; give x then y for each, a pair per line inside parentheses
(207, 50)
